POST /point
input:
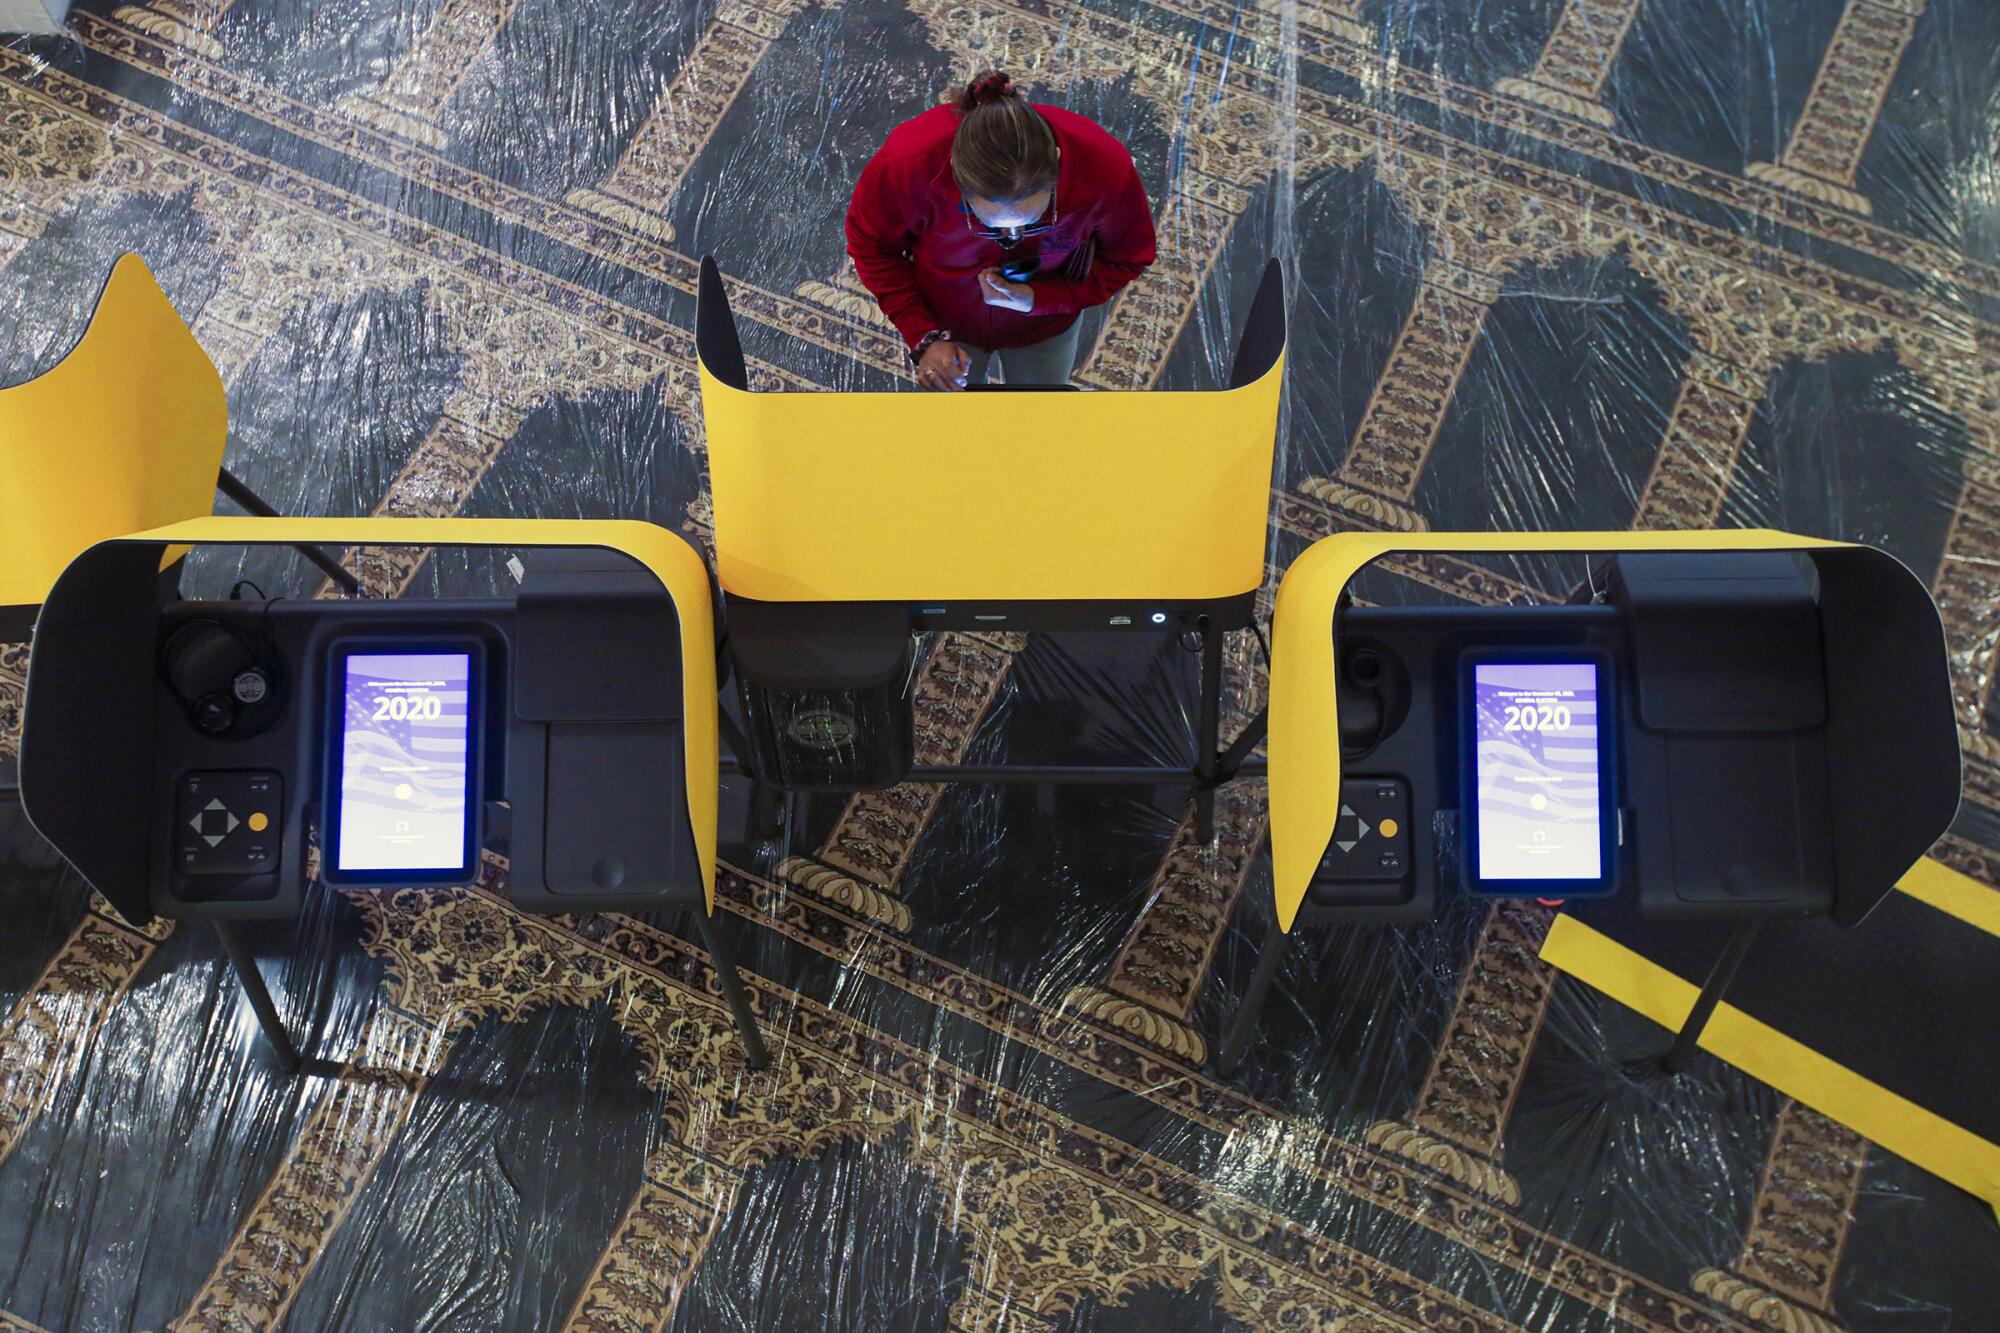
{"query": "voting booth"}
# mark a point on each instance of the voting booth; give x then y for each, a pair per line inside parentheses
(202, 759)
(1717, 726)
(847, 522)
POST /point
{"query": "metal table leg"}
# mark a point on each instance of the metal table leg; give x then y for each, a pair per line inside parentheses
(717, 944)
(248, 500)
(252, 982)
(1276, 942)
(1681, 1053)
(1208, 738)
(767, 811)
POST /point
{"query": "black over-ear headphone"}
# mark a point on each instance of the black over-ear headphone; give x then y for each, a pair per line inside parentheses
(232, 684)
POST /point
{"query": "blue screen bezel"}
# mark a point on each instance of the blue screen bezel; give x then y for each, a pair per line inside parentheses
(334, 731)
(1610, 717)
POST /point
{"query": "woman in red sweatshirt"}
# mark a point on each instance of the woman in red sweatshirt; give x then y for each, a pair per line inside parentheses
(986, 225)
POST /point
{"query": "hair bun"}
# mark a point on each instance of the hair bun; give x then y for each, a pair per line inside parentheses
(991, 86)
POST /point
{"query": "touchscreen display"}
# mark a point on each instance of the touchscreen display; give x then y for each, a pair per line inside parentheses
(1537, 781)
(404, 761)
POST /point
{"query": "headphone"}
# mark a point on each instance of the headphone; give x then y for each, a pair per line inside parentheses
(231, 684)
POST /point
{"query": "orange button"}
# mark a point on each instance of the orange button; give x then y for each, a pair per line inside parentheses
(259, 821)
(1388, 827)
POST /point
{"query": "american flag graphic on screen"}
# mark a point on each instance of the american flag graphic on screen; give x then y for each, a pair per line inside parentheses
(403, 761)
(1537, 780)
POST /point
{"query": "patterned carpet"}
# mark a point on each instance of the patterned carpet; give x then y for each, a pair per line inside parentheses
(1557, 263)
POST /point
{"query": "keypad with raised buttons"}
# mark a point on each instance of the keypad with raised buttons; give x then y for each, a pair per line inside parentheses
(1371, 836)
(228, 822)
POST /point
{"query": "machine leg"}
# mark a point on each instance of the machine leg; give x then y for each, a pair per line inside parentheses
(252, 982)
(1681, 1053)
(717, 945)
(1276, 942)
(250, 502)
(1208, 738)
(734, 740)
(767, 810)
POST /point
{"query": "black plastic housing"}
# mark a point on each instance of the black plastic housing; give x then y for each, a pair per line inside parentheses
(1786, 744)
(583, 733)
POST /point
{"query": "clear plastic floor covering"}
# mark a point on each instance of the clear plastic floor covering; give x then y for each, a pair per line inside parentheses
(1555, 264)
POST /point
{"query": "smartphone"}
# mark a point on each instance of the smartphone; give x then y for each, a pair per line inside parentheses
(402, 796)
(1540, 776)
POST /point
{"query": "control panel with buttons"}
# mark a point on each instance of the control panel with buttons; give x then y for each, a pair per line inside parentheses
(1371, 837)
(228, 822)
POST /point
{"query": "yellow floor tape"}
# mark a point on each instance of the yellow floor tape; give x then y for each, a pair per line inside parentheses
(1964, 897)
(1763, 1052)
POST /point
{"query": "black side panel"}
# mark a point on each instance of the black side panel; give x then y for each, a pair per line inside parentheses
(1892, 738)
(87, 739)
(715, 330)
(1263, 337)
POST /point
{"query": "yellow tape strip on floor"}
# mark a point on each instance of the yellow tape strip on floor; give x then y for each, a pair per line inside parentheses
(1964, 897)
(1790, 1066)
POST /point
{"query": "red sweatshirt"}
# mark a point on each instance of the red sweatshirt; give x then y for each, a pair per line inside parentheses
(914, 251)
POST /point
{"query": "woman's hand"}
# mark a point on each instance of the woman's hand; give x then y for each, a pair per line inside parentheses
(943, 365)
(1007, 295)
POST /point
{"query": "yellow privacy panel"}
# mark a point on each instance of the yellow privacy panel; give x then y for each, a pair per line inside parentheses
(126, 432)
(672, 561)
(1304, 729)
(990, 496)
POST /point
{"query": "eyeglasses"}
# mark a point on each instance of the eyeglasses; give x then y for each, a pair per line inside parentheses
(1009, 237)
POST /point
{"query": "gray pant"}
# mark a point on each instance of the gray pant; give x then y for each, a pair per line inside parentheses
(1047, 362)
